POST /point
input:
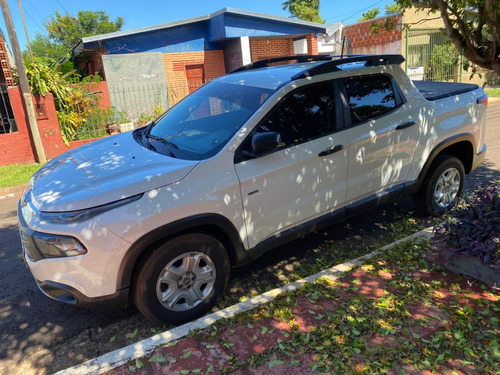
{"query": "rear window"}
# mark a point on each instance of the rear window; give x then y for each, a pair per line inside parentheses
(369, 97)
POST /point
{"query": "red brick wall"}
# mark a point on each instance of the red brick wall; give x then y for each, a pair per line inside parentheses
(312, 44)
(16, 148)
(261, 49)
(175, 69)
(264, 49)
(361, 37)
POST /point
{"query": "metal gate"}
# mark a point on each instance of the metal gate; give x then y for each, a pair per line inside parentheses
(8, 123)
(431, 56)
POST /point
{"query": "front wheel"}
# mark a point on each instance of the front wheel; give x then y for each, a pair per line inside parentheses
(442, 187)
(181, 279)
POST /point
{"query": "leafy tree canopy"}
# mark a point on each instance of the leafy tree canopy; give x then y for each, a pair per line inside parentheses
(373, 13)
(307, 10)
(369, 15)
(472, 25)
(64, 31)
(392, 9)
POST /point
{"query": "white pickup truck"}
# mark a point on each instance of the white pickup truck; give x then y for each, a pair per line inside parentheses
(249, 161)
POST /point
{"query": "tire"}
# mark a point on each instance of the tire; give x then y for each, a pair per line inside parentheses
(181, 279)
(442, 186)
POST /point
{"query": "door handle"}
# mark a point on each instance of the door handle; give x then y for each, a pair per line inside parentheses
(331, 150)
(405, 125)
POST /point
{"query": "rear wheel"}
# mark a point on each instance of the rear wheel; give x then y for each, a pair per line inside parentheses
(181, 279)
(442, 187)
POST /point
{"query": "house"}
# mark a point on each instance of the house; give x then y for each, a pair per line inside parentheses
(156, 66)
(421, 39)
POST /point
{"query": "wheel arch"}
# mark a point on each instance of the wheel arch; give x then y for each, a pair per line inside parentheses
(212, 224)
(460, 146)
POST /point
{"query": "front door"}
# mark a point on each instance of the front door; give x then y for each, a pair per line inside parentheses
(306, 177)
(195, 75)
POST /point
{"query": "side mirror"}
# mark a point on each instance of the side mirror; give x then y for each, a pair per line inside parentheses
(265, 143)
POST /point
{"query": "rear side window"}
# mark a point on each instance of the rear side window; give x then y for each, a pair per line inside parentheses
(369, 97)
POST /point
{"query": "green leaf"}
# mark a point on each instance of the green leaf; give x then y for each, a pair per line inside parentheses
(249, 325)
(82, 343)
(210, 368)
(196, 371)
(138, 363)
(275, 363)
(112, 339)
(187, 355)
(134, 334)
(132, 368)
(264, 330)
(184, 372)
(99, 329)
(157, 358)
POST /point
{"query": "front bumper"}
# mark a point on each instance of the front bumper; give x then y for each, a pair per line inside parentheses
(71, 296)
(59, 278)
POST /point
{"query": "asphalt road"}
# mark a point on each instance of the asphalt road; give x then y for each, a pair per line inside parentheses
(39, 335)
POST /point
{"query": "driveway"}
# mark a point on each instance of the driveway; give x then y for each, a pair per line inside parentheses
(38, 335)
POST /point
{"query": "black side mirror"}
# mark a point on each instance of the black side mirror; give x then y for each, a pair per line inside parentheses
(265, 143)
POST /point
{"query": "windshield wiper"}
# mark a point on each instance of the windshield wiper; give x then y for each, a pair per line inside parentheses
(146, 136)
(162, 140)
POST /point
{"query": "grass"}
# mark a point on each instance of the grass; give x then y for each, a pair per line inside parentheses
(17, 174)
(399, 313)
(495, 93)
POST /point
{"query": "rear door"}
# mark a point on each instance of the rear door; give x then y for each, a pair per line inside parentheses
(383, 132)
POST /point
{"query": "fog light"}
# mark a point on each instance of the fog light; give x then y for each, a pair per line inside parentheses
(53, 246)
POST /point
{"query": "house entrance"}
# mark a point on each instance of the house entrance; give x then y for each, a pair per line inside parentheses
(195, 75)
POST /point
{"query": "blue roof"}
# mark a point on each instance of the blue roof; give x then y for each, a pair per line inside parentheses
(198, 34)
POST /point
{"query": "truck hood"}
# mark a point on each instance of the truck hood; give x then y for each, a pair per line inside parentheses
(103, 171)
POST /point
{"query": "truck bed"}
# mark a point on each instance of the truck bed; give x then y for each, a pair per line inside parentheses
(439, 90)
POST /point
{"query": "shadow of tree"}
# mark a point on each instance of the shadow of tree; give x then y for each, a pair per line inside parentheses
(39, 335)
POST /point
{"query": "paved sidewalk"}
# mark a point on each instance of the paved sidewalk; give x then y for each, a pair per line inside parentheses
(399, 313)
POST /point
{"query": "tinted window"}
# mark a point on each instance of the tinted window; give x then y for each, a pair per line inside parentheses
(369, 97)
(307, 113)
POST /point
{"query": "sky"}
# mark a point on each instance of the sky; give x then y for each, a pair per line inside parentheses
(144, 13)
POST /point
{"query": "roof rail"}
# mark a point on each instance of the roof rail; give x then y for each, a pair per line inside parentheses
(330, 62)
(332, 66)
(266, 62)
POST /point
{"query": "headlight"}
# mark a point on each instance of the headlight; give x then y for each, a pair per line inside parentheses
(68, 217)
(55, 246)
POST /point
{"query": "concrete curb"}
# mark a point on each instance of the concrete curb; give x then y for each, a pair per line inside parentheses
(11, 191)
(122, 356)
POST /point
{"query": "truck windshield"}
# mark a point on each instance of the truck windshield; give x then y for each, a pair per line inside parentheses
(202, 123)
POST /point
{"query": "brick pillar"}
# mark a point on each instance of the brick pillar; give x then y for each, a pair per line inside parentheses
(4, 63)
(312, 44)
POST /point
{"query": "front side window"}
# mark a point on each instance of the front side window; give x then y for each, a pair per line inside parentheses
(306, 113)
(369, 97)
(202, 123)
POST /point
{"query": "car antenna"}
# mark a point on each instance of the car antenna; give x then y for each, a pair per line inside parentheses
(342, 51)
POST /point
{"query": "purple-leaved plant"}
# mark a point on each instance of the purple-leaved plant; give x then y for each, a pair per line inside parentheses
(474, 229)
